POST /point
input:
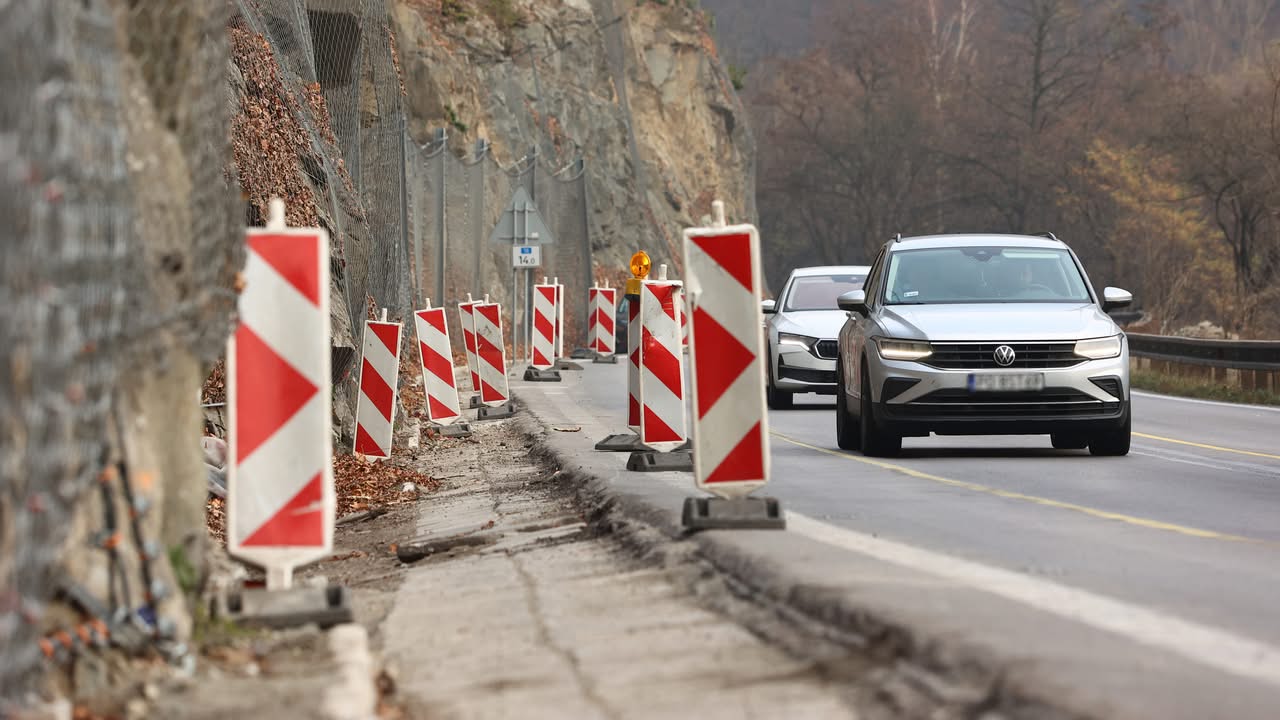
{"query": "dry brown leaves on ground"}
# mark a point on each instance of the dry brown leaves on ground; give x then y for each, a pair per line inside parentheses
(364, 484)
(215, 386)
(359, 484)
(215, 518)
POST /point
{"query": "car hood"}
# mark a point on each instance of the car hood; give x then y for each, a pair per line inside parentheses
(997, 321)
(822, 324)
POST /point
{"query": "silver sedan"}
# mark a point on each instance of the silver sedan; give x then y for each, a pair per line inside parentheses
(801, 330)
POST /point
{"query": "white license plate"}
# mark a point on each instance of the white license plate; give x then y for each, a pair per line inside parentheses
(1006, 382)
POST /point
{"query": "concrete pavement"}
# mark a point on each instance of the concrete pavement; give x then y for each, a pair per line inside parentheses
(1126, 587)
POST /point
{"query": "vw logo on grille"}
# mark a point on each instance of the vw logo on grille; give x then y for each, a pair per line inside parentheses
(1004, 356)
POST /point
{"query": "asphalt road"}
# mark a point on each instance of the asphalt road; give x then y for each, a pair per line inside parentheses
(1175, 547)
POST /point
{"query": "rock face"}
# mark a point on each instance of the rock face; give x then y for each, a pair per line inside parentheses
(636, 89)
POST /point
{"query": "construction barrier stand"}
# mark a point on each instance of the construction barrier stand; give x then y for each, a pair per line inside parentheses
(436, 352)
(543, 351)
(467, 319)
(662, 417)
(491, 354)
(730, 423)
(379, 376)
(280, 495)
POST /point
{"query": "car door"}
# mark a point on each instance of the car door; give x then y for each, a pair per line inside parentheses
(855, 331)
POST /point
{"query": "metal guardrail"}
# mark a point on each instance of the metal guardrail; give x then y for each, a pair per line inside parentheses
(1236, 354)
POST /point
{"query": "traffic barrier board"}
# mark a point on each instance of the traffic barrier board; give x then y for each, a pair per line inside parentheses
(633, 363)
(379, 375)
(544, 327)
(491, 354)
(662, 416)
(436, 352)
(467, 319)
(280, 496)
(602, 302)
(730, 424)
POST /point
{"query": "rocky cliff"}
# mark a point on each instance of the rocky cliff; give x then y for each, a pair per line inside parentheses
(635, 88)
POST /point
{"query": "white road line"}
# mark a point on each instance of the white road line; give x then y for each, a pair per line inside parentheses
(1207, 646)
(1198, 401)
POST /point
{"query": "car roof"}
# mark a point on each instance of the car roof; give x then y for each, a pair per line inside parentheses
(971, 239)
(831, 270)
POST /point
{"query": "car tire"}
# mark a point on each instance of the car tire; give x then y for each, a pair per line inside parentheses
(876, 442)
(1113, 443)
(848, 434)
(777, 399)
(1069, 441)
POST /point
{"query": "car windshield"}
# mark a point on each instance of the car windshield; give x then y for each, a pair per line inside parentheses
(935, 276)
(819, 292)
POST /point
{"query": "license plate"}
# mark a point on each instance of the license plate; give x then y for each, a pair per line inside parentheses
(1007, 382)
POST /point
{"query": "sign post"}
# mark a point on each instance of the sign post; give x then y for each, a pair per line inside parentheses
(521, 227)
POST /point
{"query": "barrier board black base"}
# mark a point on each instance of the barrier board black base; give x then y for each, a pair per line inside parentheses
(581, 354)
(625, 442)
(496, 413)
(605, 360)
(474, 403)
(456, 430)
(563, 364)
(651, 461)
(296, 606)
(534, 374)
(748, 513)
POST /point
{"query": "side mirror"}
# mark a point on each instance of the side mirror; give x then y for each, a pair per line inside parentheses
(1114, 298)
(768, 307)
(854, 301)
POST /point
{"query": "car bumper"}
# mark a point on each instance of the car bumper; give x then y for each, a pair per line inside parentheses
(915, 399)
(798, 370)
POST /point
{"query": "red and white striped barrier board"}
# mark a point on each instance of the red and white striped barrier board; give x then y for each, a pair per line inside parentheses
(633, 364)
(491, 354)
(730, 425)
(467, 320)
(600, 326)
(662, 417)
(436, 353)
(559, 319)
(379, 372)
(543, 349)
(280, 497)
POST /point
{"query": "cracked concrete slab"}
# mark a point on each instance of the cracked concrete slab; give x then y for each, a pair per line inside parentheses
(554, 620)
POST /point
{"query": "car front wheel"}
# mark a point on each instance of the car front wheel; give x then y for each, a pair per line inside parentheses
(876, 442)
(1114, 443)
(848, 435)
(777, 399)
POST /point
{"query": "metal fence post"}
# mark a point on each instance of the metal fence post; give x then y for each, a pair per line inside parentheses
(442, 233)
(416, 285)
(588, 274)
(477, 209)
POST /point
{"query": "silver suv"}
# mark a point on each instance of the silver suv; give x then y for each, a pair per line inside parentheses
(978, 335)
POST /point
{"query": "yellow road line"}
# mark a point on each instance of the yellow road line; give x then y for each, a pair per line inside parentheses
(1011, 495)
(1219, 448)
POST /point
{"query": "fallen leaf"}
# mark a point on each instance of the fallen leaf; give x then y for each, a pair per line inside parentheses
(567, 429)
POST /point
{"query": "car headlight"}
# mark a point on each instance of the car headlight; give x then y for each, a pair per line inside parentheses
(803, 341)
(903, 349)
(1099, 348)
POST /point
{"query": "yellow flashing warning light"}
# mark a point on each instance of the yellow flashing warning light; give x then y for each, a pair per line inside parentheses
(640, 266)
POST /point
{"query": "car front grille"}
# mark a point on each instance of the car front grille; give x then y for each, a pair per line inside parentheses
(981, 356)
(960, 403)
(827, 349)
